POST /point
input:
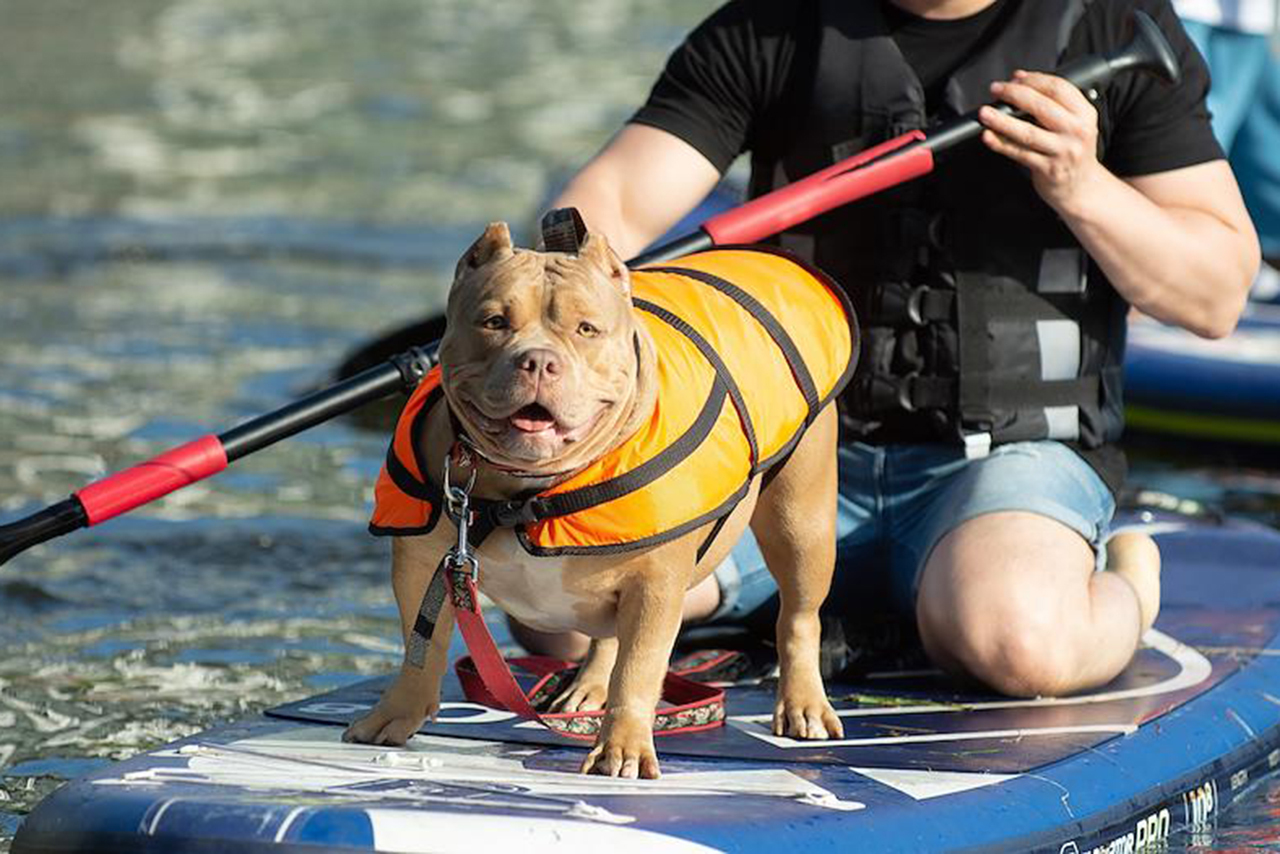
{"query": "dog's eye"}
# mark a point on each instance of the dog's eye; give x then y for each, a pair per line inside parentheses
(586, 330)
(494, 322)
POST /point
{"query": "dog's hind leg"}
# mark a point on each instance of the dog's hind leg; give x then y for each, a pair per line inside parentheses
(794, 524)
(591, 685)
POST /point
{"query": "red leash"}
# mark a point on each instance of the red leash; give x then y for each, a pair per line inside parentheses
(487, 679)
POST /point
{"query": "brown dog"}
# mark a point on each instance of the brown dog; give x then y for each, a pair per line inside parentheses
(546, 369)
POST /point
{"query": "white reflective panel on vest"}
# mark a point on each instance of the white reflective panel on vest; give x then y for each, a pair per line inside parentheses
(1062, 271)
(1059, 342)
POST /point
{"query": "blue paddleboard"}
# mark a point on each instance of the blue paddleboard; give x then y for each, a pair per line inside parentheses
(1161, 750)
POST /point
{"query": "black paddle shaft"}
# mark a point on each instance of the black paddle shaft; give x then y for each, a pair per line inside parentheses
(400, 373)
(905, 157)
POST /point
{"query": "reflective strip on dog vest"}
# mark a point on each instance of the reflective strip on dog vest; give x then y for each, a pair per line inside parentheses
(751, 344)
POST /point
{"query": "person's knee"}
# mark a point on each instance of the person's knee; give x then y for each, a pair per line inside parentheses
(567, 646)
(1016, 650)
(1004, 599)
(702, 600)
(1025, 658)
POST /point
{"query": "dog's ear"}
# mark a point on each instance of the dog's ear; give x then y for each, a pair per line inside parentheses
(494, 244)
(597, 251)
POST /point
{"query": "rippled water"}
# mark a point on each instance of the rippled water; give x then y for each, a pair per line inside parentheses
(203, 205)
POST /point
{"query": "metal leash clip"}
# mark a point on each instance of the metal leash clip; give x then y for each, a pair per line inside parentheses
(457, 500)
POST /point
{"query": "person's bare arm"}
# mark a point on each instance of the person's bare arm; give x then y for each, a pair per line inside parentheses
(1178, 245)
(639, 186)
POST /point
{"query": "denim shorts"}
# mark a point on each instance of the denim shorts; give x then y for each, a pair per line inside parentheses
(897, 501)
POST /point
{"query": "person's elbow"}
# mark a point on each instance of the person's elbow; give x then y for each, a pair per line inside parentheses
(1235, 275)
(1220, 322)
(1205, 254)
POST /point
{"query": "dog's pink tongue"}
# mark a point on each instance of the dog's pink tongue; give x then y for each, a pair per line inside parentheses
(532, 419)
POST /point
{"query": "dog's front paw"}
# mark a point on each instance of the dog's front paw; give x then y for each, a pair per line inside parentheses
(397, 716)
(805, 713)
(624, 748)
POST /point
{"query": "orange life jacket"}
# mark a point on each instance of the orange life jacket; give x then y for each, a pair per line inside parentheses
(751, 344)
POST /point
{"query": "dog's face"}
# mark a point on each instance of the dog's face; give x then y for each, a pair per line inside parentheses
(540, 356)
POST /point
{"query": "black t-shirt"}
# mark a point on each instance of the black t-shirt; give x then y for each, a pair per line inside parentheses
(724, 90)
(936, 49)
(729, 88)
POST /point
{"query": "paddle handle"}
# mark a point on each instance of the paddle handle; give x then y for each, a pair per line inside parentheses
(1148, 51)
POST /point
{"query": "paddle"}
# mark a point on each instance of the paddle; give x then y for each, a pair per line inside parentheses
(886, 165)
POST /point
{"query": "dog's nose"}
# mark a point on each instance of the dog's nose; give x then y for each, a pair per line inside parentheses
(540, 362)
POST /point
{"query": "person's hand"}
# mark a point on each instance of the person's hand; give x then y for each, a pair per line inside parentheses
(1057, 143)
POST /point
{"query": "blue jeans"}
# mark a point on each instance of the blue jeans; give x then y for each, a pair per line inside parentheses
(897, 501)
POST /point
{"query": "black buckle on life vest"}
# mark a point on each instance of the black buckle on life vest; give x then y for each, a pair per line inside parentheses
(904, 387)
(890, 393)
(509, 514)
(899, 304)
(912, 230)
(910, 392)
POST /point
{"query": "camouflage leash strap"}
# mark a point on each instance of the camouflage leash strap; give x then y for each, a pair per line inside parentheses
(458, 558)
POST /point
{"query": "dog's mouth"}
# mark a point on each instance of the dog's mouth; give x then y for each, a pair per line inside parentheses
(532, 433)
(533, 418)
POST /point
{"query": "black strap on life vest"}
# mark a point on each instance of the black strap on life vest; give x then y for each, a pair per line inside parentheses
(929, 337)
(804, 379)
(518, 512)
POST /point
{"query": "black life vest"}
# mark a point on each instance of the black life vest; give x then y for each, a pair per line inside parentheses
(984, 320)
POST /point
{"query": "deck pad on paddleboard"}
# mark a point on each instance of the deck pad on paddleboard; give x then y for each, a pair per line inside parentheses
(914, 721)
(921, 724)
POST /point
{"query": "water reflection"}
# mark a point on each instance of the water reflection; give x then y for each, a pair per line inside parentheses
(401, 111)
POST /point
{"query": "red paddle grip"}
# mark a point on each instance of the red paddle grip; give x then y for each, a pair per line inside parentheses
(853, 178)
(133, 487)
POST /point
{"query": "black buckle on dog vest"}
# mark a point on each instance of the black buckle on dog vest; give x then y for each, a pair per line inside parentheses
(509, 514)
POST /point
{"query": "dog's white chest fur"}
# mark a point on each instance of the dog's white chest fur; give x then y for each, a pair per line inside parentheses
(534, 590)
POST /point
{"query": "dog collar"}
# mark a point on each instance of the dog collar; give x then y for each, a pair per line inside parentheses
(466, 453)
